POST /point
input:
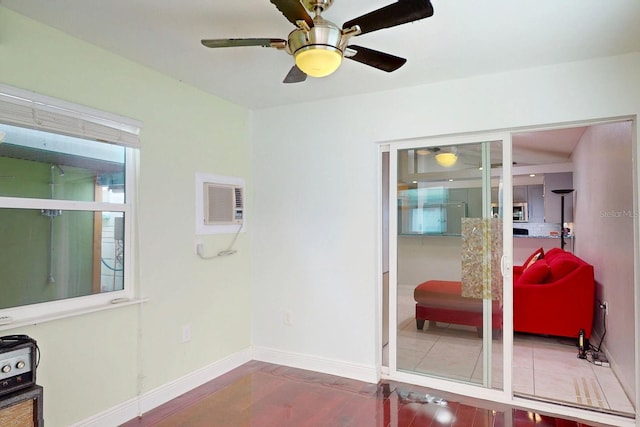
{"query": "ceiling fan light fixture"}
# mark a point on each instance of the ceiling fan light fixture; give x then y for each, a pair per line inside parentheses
(446, 159)
(318, 60)
(318, 45)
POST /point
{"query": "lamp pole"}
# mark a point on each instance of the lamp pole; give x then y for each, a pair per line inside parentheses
(562, 193)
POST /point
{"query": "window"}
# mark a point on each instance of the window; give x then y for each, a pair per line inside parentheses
(427, 207)
(66, 179)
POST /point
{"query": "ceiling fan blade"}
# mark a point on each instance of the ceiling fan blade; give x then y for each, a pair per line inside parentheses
(277, 43)
(295, 75)
(400, 12)
(374, 58)
(293, 10)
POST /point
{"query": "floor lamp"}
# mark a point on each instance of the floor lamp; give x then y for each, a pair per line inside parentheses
(562, 193)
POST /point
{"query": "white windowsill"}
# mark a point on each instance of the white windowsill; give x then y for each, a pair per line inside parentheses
(70, 313)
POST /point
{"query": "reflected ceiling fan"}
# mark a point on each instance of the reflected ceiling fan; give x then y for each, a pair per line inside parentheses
(318, 45)
(445, 158)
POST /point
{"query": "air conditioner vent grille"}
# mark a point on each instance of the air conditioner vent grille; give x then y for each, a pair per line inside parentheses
(238, 194)
(222, 204)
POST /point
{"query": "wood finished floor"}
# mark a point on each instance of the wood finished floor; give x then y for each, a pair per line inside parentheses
(259, 394)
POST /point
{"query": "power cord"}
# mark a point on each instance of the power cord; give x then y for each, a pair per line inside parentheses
(227, 252)
(594, 354)
(604, 324)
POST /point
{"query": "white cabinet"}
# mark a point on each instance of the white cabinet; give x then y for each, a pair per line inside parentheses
(520, 194)
(535, 201)
(553, 201)
(533, 195)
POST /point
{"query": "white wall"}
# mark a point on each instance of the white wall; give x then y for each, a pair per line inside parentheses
(316, 195)
(92, 363)
(604, 216)
(429, 258)
(523, 247)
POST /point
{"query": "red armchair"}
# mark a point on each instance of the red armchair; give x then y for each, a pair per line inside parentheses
(553, 294)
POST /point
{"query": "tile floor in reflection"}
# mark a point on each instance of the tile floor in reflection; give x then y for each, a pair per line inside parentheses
(545, 368)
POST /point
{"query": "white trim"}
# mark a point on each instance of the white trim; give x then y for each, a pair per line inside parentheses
(433, 141)
(63, 309)
(393, 261)
(498, 396)
(383, 266)
(341, 368)
(452, 140)
(65, 205)
(32, 314)
(125, 123)
(636, 265)
(507, 267)
(133, 408)
(25, 108)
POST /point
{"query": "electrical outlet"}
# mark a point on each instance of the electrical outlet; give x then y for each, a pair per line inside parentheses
(186, 333)
(198, 247)
(606, 308)
(286, 319)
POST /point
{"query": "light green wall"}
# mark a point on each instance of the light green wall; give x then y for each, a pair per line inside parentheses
(185, 131)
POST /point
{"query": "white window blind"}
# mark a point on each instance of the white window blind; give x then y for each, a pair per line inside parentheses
(29, 109)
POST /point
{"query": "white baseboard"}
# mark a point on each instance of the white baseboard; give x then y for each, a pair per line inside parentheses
(366, 373)
(152, 399)
(160, 395)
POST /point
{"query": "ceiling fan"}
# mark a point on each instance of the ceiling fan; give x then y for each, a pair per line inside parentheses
(318, 45)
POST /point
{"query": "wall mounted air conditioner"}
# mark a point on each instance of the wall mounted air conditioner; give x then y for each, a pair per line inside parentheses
(223, 204)
(220, 204)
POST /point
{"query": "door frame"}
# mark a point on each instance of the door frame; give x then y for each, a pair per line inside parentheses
(442, 384)
(506, 395)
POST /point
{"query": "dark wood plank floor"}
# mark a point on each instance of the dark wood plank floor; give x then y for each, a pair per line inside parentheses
(259, 394)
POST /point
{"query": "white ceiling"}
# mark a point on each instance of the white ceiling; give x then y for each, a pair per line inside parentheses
(462, 39)
(546, 147)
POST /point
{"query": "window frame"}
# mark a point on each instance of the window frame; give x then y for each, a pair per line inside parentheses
(125, 134)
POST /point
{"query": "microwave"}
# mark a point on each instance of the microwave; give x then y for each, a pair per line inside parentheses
(520, 211)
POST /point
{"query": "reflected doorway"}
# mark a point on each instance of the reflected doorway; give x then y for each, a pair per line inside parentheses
(449, 248)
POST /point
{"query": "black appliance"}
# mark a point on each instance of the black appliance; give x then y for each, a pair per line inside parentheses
(18, 361)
